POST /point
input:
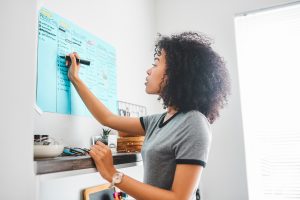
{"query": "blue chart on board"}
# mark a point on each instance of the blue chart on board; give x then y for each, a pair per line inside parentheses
(58, 37)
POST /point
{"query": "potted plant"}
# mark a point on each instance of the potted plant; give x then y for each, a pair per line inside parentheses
(104, 135)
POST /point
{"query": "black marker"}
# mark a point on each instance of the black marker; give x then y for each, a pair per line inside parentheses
(84, 62)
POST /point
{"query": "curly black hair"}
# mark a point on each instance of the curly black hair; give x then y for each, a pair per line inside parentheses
(197, 78)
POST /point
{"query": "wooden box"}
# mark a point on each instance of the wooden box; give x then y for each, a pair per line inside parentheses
(130, 144)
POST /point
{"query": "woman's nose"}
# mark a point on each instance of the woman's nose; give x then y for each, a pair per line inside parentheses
(149, 71)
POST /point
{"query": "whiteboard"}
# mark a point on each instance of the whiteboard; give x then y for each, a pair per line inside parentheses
(57, 37)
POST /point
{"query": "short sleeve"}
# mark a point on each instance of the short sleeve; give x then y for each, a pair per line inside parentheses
(142, 122)
(192, 144)
(149, 121)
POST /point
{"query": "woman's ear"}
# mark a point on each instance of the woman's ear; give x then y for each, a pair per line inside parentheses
(165, 79)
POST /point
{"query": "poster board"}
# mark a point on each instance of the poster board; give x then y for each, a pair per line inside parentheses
(101, 192)
(55, 93)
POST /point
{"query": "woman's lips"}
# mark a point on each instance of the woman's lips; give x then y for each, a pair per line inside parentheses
(146, 81)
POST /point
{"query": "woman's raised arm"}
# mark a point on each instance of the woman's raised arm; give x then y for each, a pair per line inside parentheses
(130, 125)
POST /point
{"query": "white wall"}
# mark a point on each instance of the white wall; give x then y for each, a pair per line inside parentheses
(225, 176)
(17, 53)
(130, 27)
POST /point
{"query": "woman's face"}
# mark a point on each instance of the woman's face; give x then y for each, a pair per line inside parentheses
(156, 78)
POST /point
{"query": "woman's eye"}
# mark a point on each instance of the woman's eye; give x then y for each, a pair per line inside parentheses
(154, 65)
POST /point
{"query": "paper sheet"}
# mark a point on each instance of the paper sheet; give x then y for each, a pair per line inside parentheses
(58, 37)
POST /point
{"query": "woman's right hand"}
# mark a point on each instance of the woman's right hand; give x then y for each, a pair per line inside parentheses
(73, 67)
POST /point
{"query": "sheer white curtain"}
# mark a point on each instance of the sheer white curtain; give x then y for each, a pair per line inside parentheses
(268, 48)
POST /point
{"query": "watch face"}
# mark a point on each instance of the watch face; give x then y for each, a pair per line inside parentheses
(118, 177)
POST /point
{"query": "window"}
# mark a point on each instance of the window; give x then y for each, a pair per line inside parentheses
(268, 50)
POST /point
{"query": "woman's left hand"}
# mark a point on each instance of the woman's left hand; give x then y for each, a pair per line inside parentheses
(103, 159)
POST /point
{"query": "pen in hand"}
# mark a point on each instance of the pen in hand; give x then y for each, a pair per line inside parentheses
(81, 61)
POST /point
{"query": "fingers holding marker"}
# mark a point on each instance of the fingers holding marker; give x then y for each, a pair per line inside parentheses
(73, 58)
(76, 55)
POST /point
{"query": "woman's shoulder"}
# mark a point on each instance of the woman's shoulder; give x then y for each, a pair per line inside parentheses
(194, 128)
(195, 115)
(196, 119)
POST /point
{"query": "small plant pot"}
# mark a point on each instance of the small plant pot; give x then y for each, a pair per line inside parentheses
(104, 140)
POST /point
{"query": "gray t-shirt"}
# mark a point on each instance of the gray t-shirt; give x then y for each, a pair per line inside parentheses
(185, 138)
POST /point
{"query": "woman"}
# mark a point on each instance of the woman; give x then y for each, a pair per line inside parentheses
(191, 79)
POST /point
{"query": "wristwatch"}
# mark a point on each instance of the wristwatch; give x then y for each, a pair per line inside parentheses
(117, 178)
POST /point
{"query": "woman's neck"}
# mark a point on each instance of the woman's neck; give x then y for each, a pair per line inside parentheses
(171, 110)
